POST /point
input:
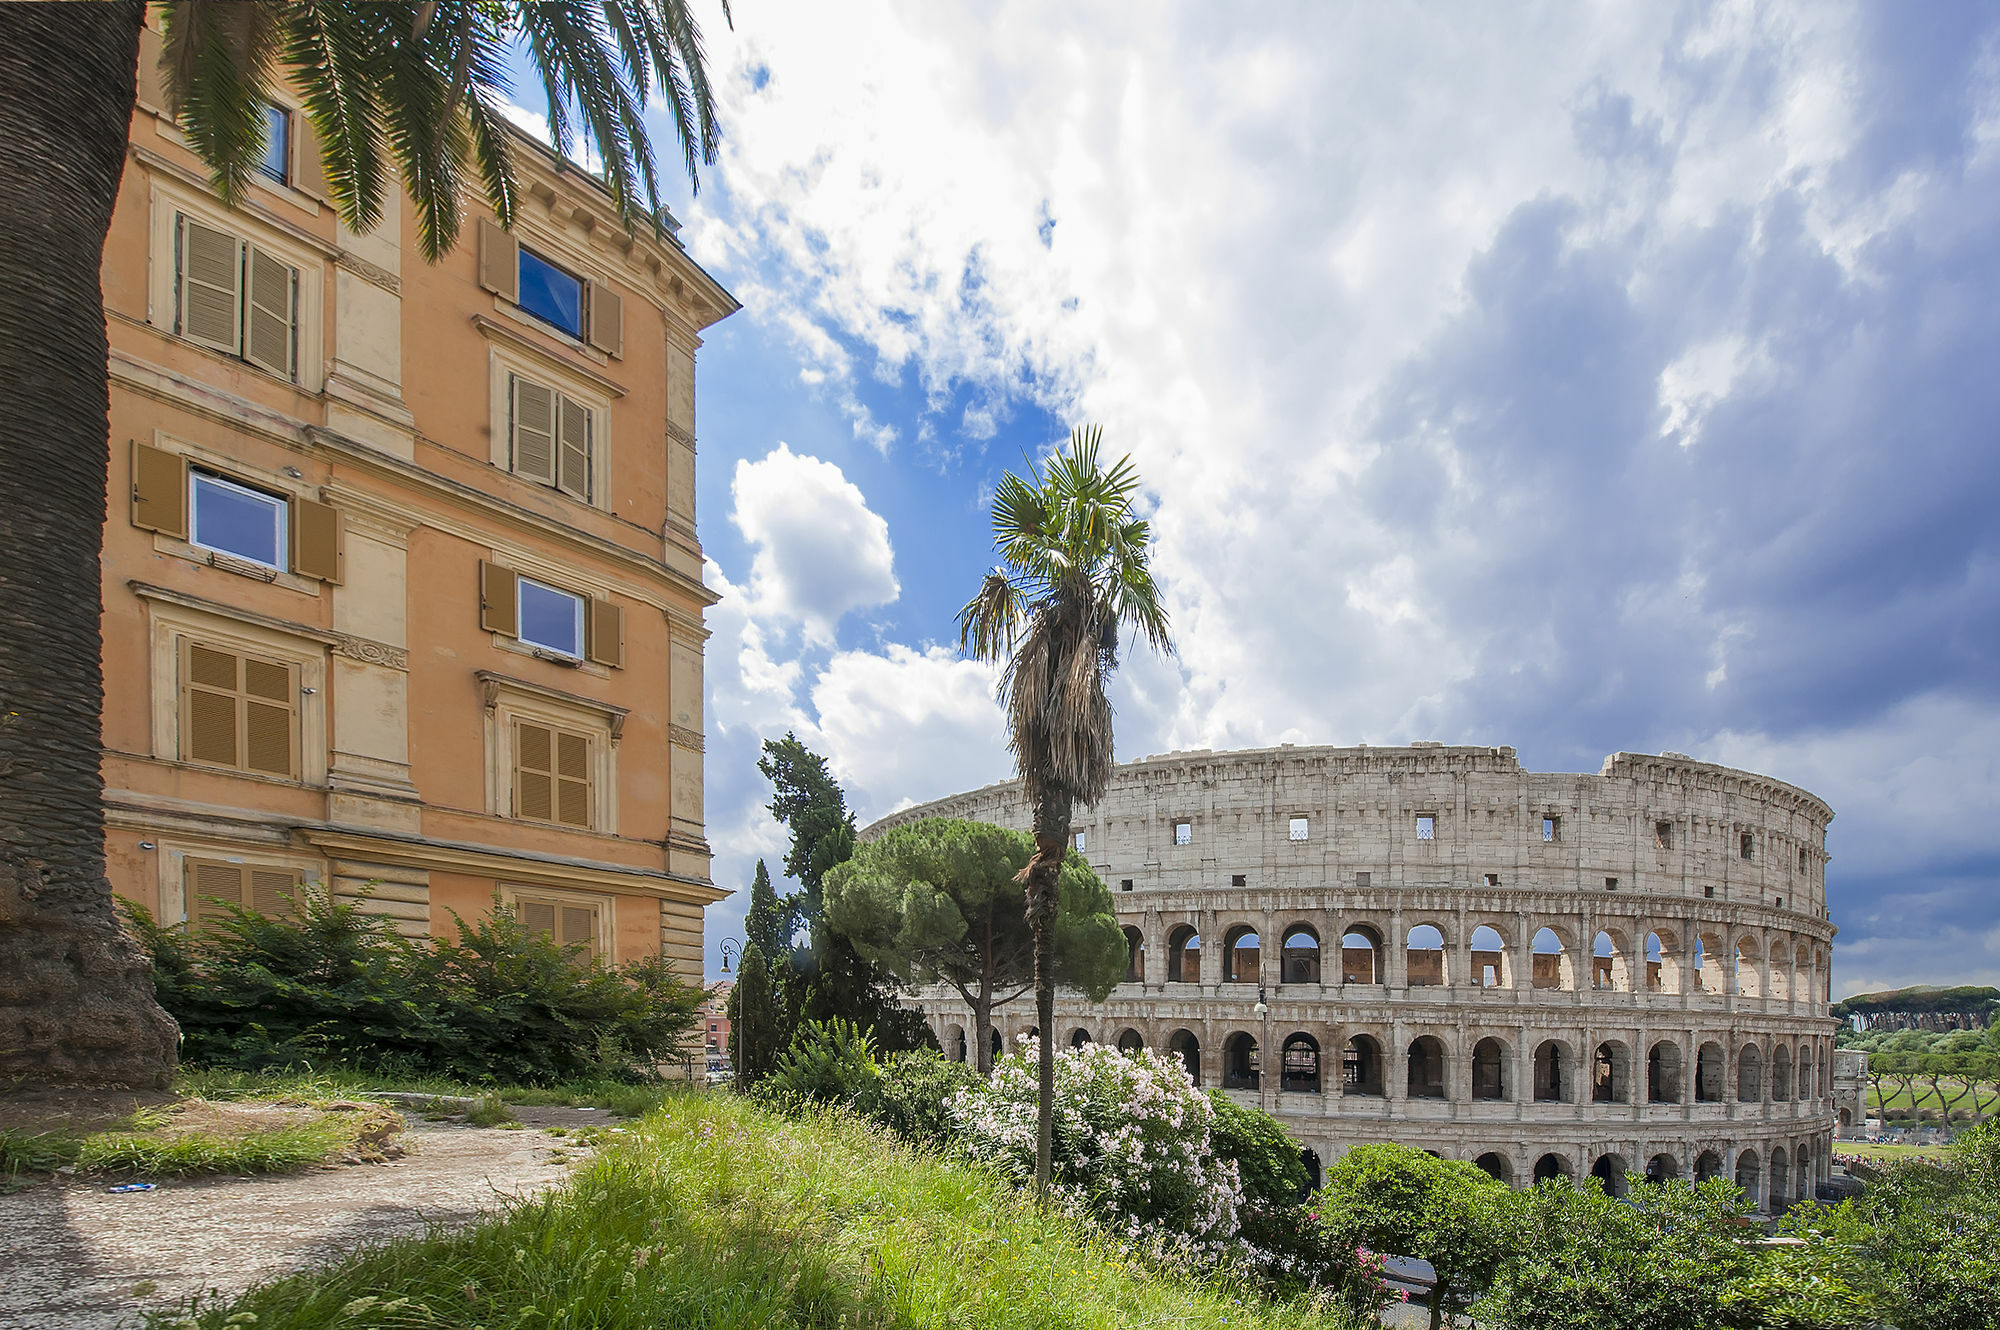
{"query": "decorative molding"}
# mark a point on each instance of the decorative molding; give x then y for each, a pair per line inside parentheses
(684, 737)
(492, 685)
(371, 652)
(147, 591)
(517, 868)
(372, 273)
(247, 206)
(519, 340)
(679, 435)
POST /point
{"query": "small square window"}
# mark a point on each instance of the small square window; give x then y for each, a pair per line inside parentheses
(1748, 846)
(1426, 826)
(277, 160)
(1492, 879)
(1663, 835)
(1300, 828)
(236, 519)
(1611, 884)
(1239, 880)
(1081, 840)
(1708, 892)
(550, 294)
(1802, 861)
(551, 619)
(1552, 829)
(1183, 833)
(1125, 884)
(1363, 878)
(1781, 902)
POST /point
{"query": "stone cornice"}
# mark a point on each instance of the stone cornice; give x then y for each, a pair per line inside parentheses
(514, 866)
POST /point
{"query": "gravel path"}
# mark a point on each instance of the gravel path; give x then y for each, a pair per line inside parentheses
(75, 1257)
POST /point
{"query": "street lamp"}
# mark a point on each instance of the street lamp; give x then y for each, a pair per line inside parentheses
(732, 951)
(1263, 1009)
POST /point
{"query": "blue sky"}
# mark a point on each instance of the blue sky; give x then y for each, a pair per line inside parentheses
(1577, 378)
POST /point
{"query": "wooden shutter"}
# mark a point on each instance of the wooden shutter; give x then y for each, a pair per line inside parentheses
(534, 772)
(539, 917)
(572, 779)
(152, 78)
(573, 470)
(605, 636)
(534, 430)
(579, 927)
(273, 892)
(499, 611)
(211, 286)
(211, 888)
(159, 491)
(269, 716)
(308, 160)
(607, 320)
(271, 322)
(499, 260)
(209, 730)
(317, 544)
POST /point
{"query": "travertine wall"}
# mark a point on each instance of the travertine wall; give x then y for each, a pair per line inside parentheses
(1672, 1018)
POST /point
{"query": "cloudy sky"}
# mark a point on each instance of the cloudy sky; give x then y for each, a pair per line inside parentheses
(1581, 377)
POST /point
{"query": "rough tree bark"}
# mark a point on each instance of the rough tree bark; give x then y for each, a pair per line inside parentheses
(1042, 875)
(76, 996)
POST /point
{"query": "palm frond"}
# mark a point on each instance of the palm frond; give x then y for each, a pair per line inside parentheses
(989, 621)
(220, 60)
(332, 58)
(569, 40)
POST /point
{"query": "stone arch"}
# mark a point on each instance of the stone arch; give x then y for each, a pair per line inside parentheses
(1749, 977)
(1240, 1069)
(1299, 953)
(1184, 955)
(1663, 972)
(1609, 1170)
(1489, 958)
(1361, 1066)
(1781, 971)
(1708, 1164)
(1299, 1064)
(1183, 1045)
(1553, 1167)
(1489, 1069)
(1427, 1067)
(1496, 1166)
(1711, 1068)
(1610, 962)
(1611, 1073)
(1780, 1188)
(954, 1042)
(1130, 1041)
(1423, 956)
(1803, 1079)
(1662, 1167)
(1554, 1072)
(1843, 1127)
(1550, 954)
(1710, 963)
(1663, 1072)
(1361, 954)
(1135, 955)
(1242, 956)
(1079, 1037)
(1781, 1074)
(1750, 1177)
(1749, 1074)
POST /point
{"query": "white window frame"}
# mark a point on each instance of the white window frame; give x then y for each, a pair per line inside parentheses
(1300, 828)
(1081, 839)
(1183, 831)
(1427, 826)
(282, 506)
(521, 582)
(285, 114)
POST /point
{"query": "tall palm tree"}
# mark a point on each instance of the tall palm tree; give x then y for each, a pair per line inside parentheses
(1073, 572)
(407, 91)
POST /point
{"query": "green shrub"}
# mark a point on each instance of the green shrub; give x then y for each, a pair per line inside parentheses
(338, 987)
(1400, 1200)
(829, 1062)
(914, 1095)
(1267, 1161)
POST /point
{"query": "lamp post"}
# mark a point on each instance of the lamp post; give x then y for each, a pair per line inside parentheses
(1263, 1009)
(732, 952)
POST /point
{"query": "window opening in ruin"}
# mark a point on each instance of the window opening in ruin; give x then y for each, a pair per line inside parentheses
(1492, 879)
(1131, 1041)
(1552, 829)
(1781, 902)
(1242, 957)
(1609, 1170)
(1663, 1074)
(1362, 878)
(1708, 1075)
(1361, 1066)
(1494, 1166)
(1548, 956)
(1603, 955)
(1301, 956)
(1239, 1062)
(1750, 1074)
(1082, 839)
(1700, 958)
(1184, 956)
(1183, 833)
(1488, 957)
(1611, 884)
(1604, 1076)
(1079, 1038)
(1239, 880)
(1358, 958)
(1426, 826)
(1708, 891)
(1300, 1064)
(1663, 835)
(1549, 1073)
(1125, 884)
(1135, 955)
(1423, 955)
(1655, 958)
(1426, 1069)
(1749, 846)
(1550, 1168)
(1802, 861)
(1488, 1070)
(1300, 828)
(1183, 1045)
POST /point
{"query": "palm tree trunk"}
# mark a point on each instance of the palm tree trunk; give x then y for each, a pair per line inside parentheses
(1042, 874)
(76, 996)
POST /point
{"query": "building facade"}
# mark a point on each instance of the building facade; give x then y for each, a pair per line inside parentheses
(402, 589)
(715, 1025)
(1546, 974)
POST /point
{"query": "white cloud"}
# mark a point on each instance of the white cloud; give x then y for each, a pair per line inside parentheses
(904, 726)
(821, 553)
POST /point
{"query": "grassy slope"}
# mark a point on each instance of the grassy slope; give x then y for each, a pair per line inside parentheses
(714, 1213)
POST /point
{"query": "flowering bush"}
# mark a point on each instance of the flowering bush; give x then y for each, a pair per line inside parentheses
(1131, 1147)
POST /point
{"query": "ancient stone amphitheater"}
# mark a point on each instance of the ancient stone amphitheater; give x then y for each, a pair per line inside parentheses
(1546, 974)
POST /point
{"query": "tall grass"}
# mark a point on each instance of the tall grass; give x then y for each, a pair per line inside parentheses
(144, 1153)
(319, 1086)
(715, 1213)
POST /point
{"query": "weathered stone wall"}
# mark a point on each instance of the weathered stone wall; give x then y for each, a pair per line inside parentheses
(1673, 1018)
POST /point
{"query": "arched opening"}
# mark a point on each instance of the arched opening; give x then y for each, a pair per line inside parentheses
(1183, 1045)
(1843, 1126)
(1130, 1041)
(1239, 1062)
(1423, 957)
(954, 1042)
(1426, 1068)
(1241, 955)
(1781, 1074)
(1489, 958)
(1361, 955)
(1748, 1176)
(1610, 1074)
(1184, 956)
(1135, 956)
(1300, 1064)
(1708, 1164)
(1662, 1168)
(1310, 1158)
(1078, 1038)
(1550, 959)
(1749, 1074)
(1749, 982)
(1301, 959)
(1495, 1166)
(1710, 1074)
(1552, 1073)
(1659, 969)
(1489, 1070)
(1711, 961)
(1781, 972)
(1607, 965)
(1781, 1181)
(1361, 1066)
(998, 1044)
(1551, 1168)
(1663, 1073)
(1803, 1081)
(1609, 1170)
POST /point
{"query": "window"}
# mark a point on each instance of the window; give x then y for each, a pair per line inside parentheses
(1781, 902)
(1081, 840)
(550, 294)
(1748, 846)
(1663, 835)
(1552, 828)
(1239, 879)
(1362, 878)
(1492, 879)
(566, 921)
(1125, 884)
(548, 437)
(586, 310)
(1709, 892)
(1802, 861)
(233, 297)
(538, 615)
(550, 619)
(277, 162)
(1183, 833)
(1611, 884)
(211, 886)
(236, 519)
(1300, 828)
(1426, 826)
(238, 710)
(551, 775)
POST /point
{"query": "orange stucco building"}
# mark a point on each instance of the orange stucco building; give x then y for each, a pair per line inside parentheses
(402, 588)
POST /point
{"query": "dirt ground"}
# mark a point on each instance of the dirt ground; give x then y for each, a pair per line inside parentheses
(74, 1256)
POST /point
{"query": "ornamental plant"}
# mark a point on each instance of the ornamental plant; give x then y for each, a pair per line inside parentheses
(1131, 1148)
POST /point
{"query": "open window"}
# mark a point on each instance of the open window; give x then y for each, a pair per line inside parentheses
(230, 516)
(540, 285)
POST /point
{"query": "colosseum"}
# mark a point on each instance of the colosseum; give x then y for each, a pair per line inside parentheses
(1546, 974)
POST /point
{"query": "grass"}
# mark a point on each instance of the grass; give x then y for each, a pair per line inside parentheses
(1865, 1150)
(715, 1213)
(152, 1149)
(316, 1087)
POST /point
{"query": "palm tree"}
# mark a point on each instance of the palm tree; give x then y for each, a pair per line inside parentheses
(408, 89)
(1073, 572)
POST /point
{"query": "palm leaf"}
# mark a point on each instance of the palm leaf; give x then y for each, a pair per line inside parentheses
(220, 59)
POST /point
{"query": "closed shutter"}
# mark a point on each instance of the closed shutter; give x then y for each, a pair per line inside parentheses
(499, 261)
(539, 917)
(309, 166)
(209, 714)
(499, 612)
(607, 320)
(273, 892)
(606, 637)
(317, 531)
(534, 430)
(268, 717)
(238, 711)
(152, 78)
(573, 474)
(211, 889)
(572, 779)
(271, 328)
(159, 491)
(579, 927)
(211, 280)
(534, 772)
